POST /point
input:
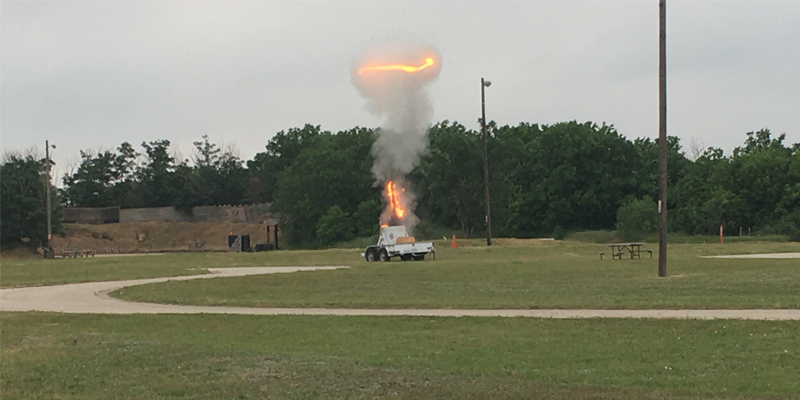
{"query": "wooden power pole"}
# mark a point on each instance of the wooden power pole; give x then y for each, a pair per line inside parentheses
(47, 191)
(662, 139)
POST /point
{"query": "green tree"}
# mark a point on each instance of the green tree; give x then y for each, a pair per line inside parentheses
(367, 216)
(722, 208)
(577, 177)
(102, 179)
(124, 193)
(788, 209)
(509, 157)
(191, 191)
(760, 175)
(156, 181)
(333, 171)
(91, 185)
(220, 177)
(206, 153)
(646, 166)
(788, 212)
(281, 152)
(23, 212)
(636, 218)
(450, 178)
(691, 193)
(335, 226)
(746, 189)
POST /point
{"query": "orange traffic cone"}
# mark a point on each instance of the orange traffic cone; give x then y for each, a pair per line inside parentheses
(453, 243)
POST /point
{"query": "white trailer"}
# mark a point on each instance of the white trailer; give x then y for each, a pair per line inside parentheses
(395, 242)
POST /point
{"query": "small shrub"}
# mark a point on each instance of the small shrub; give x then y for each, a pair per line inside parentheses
(559, 233)
(335, 226)
(426, 230)
(636, 218)
(367, 218)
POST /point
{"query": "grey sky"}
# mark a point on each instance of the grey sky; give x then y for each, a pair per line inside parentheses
(90, 75)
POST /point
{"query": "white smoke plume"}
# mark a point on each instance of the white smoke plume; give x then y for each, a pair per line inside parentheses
(400, 99)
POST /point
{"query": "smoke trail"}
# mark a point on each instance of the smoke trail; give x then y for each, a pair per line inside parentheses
(400, 99)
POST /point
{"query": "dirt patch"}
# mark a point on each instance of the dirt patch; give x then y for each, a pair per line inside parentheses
(151, 236)
(522, 242)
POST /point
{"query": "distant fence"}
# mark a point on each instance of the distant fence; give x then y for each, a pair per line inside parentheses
(252, 213)
(91, 215)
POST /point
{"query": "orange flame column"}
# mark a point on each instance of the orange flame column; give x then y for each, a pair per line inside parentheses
(394, 197)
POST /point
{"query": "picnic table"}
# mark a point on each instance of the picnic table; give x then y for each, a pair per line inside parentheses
(75, 253)
(620, 249)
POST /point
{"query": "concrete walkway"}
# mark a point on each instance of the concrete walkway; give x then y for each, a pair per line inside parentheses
(92, 298)
(768, 255)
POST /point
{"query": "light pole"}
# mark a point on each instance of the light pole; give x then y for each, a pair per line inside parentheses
(485, 84)
(47, 191)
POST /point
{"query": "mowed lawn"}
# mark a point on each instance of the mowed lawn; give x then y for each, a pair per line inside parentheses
(520, 275)
(48, 356)
(18, 272)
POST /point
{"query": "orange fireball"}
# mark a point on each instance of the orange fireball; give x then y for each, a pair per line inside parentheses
(397, 67)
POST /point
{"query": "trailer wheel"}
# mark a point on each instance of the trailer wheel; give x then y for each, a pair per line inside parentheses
(384, 255)
(419, 258)
(371, 255)
(405, 257)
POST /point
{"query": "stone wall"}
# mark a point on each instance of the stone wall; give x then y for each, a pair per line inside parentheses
(254, 214)
(91, 215)
(163, 214)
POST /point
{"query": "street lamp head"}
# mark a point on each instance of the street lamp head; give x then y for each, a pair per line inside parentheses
(487, 83)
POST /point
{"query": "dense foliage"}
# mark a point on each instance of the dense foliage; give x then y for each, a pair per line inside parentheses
(544, 179)
(23, 211)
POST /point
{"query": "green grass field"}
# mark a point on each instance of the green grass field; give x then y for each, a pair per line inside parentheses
(17, 272)
(48, 355)
(244, 357)
(539, 275)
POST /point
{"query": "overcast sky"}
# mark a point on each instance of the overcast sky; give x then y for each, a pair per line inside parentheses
(91, 75)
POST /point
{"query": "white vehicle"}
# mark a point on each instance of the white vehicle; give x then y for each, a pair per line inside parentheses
(395, 242)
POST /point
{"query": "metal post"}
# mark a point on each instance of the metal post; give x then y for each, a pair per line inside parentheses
(47, 191)
(484, 84)
(662, 140)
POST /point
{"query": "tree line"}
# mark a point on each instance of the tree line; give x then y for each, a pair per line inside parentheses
(543, 179)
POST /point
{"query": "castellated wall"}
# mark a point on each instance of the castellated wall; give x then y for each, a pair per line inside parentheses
(91, 215)
(253, 213)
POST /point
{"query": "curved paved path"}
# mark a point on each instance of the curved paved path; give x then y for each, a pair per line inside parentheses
(768, 255)
(92, 298)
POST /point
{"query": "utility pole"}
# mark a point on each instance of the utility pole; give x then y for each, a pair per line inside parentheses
(662, 139)
(485, 84)
(47, 191)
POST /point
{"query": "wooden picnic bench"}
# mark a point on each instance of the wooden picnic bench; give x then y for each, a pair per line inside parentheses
(618, 250)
